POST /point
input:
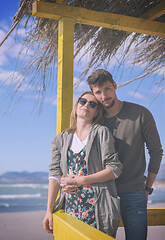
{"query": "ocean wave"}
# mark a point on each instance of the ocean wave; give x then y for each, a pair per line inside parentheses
(6, 205)
(24, 185)
(16, 196)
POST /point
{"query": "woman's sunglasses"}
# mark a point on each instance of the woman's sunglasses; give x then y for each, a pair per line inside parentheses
(83, 101)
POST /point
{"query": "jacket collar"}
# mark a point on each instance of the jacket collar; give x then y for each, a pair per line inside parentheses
(67, 142)
(91, 137)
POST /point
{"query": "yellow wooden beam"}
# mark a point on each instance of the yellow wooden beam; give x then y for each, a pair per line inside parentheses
(156, 216)
(155, 12)
(69, 228)
(100, 19)
(65, 72)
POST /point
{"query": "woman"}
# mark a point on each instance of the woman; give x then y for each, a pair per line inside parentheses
(86, 152)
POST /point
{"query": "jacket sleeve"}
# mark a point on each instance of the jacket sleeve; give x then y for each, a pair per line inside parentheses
(152, 140)
(109, 155)
(54, 167)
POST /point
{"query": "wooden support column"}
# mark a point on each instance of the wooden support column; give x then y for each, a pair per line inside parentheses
(65, 72)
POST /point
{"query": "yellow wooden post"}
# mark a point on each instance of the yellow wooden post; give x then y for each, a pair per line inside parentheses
(65, 72)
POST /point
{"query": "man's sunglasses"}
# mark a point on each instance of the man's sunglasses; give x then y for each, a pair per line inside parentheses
(83, 101)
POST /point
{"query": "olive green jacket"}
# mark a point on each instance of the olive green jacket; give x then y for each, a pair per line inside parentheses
(100, 154)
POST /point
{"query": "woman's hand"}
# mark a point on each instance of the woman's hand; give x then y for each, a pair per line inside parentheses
(68, 184)
(71, 183)
(79, 180)
(47, 222)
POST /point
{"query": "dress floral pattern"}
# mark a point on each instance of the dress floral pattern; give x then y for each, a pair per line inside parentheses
(80, 204)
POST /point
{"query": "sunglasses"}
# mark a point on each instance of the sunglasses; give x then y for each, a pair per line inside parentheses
(83, 101)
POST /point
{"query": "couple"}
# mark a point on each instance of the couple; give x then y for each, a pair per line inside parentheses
(89, 161)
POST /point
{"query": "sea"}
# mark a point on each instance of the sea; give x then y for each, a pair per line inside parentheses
(33, 197)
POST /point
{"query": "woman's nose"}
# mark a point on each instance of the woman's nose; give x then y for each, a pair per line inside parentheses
(87, 104)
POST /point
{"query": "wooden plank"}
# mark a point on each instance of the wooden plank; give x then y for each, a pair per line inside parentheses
(65, 72)
(69, 228)
(155, 12)
(156, 216)
(100, 19)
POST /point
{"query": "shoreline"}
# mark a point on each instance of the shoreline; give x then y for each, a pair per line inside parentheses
(149, 205)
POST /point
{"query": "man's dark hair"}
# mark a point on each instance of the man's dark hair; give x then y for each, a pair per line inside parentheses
(99, 77)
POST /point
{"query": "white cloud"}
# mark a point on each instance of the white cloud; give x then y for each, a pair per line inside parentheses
(9, 77)
(52, 101)
(136, 95)
(4, 26)
(12, 49)
(24, 87)
(21, 32)
(80, 85)
(158, 90)
(3, 60)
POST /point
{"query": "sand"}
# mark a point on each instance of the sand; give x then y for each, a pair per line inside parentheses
(23, 226)
(28, 226)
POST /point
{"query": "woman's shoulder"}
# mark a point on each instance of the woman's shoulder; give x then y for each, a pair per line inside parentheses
(59, 138)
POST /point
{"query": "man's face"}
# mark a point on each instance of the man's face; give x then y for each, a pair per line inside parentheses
(105, 94)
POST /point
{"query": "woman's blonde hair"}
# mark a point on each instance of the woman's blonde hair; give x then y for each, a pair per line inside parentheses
(73, 117)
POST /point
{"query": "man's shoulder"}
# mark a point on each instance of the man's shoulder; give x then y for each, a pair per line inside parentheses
(134, 107)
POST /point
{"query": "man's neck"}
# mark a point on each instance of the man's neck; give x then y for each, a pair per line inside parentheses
(113, 111)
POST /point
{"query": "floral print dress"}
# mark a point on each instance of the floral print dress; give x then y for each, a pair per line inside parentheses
(81, 204)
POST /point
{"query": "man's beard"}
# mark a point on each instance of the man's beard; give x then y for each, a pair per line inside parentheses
(110, 105)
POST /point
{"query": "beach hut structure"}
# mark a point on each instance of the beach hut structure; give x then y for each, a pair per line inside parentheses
(67, 15)
(64, 27)
(108, 23)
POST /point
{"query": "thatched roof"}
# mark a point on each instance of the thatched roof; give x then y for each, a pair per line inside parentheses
(42, 39)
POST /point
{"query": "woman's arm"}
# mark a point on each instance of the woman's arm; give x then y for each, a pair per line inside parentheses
(101, 176)
(54, 187)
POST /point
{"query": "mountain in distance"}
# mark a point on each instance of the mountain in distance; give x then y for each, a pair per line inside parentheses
(42, 177)
(24, 177)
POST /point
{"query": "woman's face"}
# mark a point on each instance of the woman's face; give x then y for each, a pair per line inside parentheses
(87, 107)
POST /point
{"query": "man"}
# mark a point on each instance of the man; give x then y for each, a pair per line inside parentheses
(132, 126)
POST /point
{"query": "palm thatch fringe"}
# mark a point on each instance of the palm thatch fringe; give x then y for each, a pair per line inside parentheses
(103, 44)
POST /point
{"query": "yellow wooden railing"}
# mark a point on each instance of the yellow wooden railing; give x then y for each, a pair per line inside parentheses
(66, 227)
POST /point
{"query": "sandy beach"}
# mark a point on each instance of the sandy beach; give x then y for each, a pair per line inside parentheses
(28, 226)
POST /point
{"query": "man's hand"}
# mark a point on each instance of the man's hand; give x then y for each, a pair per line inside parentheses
(47, 222)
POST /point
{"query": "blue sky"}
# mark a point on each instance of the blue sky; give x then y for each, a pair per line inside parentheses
(25, 136)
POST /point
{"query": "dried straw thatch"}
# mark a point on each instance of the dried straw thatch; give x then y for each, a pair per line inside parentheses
(42, 39)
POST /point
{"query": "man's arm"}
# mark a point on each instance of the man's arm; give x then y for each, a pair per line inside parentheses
(152, 140)
(150, 180)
